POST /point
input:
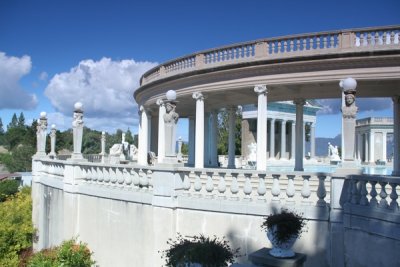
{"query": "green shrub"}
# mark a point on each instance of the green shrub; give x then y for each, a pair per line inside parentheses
(16, 230)
(8, 188)
(68, 254)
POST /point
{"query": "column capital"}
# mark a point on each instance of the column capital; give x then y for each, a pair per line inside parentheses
(299, 101)
(160, 102)
(260, 89)
(198, 96)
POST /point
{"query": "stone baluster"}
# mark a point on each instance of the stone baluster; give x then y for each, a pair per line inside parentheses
(305, 43)
(276, 190)
(332, 42)
(298, 45)
(291, 45)
(221, 185)
(247, 187)
(325, 42)
(394, 196)
(383, 202)
(285, 46)
(107, 175)
(318, 40)
(113, 175)
(321, 191)
(120, 176)
(87, 174)
(305, 191)
(100, 174)
(311, 43)
(135, 179)
(272, 47)
(373, 193)
(186, 182)
(127, 177)
(279, 47)
(262, 189)
(363, 193)
(197, 184)
(378, 38)
(209, 185)
(290, 190)
(354, 191)
(94, 176)
(149, 184)
(234, 186)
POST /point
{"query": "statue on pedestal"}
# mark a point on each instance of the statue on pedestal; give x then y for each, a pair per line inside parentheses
(170, 120)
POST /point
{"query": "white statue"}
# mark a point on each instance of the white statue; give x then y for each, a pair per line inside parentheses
(253, 152)
(333, 152)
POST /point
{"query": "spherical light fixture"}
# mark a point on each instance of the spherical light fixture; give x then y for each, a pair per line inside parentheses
(53, 126)
(78, 106)
(171, 95)
(348, 84)
(43, 115)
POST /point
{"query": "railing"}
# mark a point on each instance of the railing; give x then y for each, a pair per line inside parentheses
(375, 120)
(322, 43)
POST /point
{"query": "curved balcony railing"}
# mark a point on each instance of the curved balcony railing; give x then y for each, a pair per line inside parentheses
(321, 43)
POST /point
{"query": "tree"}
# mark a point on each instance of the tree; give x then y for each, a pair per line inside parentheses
(223, 132)
(1, 127)
(21, 159)
(21, 120)
(91, 141)
(8, 188)
(129, 137)
(13, 123)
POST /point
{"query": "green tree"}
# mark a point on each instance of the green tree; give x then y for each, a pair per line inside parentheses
(21, 120)
(16, 229)
(8, 188)
(14, 136)
(1, 127)
(13, 123)
(185, 149)
(128, 136)
(223, 132)
(91, 141)
(21, 159)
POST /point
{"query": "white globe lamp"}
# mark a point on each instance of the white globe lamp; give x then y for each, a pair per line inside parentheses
(171, 95)
(348, 84)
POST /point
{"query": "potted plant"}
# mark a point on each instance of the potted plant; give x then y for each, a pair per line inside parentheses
(283, 229)
(199, 251)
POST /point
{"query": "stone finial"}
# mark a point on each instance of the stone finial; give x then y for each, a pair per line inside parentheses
(78, 107)
(198, 96)
(43, 115)
(260, 89)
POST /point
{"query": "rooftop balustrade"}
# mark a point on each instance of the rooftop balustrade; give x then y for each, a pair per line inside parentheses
(293, 46)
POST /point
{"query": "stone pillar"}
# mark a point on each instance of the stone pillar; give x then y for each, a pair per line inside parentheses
(231, 138)
(304, 139)
(261, 90)
(161, 131)
(293, 141)
(396, 135)
(213, 139)
(272, 139)
(103, 147)
(192, 131)
(366, 148)
(148, 130)
(283, 139)
(207, 160)
(170, 121)
(41, 134)
(312, 137)
(77, 130)
(349, 114)
(384, 140)
(298, 166)
(371, 147)
(199, 136)
(53, 141)
(143, 137)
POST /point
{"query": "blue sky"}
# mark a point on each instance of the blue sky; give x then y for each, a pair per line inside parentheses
(54, 53)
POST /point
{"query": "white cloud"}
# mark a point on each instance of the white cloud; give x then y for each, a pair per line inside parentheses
(105, 88)
(332, 106)
(12, 96)
(43, 76)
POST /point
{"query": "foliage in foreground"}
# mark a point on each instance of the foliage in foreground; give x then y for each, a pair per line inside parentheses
(288, 224)
(68, 254)
(210, 252)
(8, 188)
(16, 229)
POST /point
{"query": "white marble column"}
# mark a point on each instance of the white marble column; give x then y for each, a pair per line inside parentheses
(103, 147)
(231, 137)
(199, 136)
(312, 139)
(77, 131)
(207, 157)
(293, 140)
(272, 139)
(372, 147)
(366, 150)
(304, 139)
(143, 137)
(161, 131)
(384, 140)
(149, 131)
(53, 141)
(298, 166)
(261, 90)
(192, 131)
(283, 139)
(213, 139)
(396, 135)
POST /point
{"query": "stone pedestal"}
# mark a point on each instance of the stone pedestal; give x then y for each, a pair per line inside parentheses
(262, 258)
